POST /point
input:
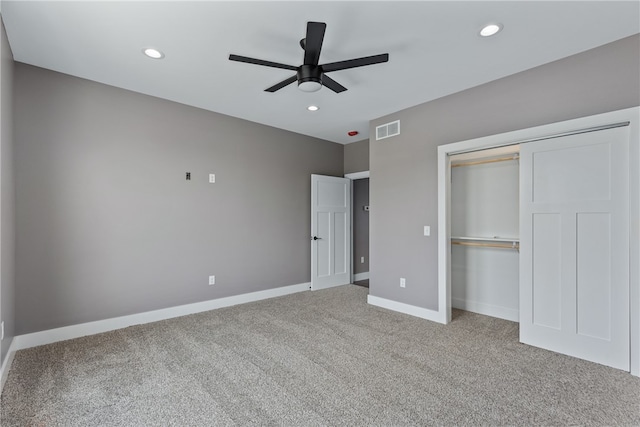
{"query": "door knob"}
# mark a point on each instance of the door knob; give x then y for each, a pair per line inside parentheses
(316, 238)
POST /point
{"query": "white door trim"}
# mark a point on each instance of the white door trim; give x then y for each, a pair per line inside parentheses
(632, 115)
(357, 175)
(353, 176)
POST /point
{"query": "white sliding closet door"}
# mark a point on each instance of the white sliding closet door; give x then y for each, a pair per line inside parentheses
(574, 242)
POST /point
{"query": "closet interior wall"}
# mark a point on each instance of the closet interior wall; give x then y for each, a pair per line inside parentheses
(484, 232)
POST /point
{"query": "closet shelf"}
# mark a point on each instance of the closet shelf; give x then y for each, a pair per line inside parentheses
(484, 161)
(487, 242)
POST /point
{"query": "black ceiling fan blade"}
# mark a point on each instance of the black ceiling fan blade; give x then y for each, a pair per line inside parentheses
(248, 60)
(282, 84)
(353, 63)
(332, 84)
(313, 42)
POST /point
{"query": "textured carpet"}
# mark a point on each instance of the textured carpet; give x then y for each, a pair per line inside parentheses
(312, 358)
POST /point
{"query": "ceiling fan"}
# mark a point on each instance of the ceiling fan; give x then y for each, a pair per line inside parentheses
(311, 76)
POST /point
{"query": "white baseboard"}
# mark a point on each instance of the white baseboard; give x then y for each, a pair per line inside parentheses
(75, 331)
(361, 276)
(6, 365)
(486, 309)
(411, 310)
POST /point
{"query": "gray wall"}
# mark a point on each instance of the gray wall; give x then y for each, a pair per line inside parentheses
(107, 225)
(360, 225)
(356, 156)
(403, 169)
(7, 228)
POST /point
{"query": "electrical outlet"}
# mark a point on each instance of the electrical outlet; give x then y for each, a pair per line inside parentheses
(212, 280)
(403, 282)
(361, 260)
(212, 178)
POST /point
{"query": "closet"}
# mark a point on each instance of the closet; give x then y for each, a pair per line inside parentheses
(543, 231)
(484, 232)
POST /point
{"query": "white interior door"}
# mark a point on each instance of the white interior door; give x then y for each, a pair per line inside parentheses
(574, 242)
(330, 231)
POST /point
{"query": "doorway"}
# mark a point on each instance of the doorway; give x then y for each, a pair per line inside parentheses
(360, 228)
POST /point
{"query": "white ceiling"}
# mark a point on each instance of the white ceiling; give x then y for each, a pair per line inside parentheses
(434, 50)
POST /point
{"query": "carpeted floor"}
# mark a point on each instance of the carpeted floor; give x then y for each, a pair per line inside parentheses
(311, 359)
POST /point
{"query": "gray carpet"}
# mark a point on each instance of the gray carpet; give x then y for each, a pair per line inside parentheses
(321, 358)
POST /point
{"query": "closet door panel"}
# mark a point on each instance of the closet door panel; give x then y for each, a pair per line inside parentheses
(546, 277)
(552, 183)
(593, 275)
(574, 264)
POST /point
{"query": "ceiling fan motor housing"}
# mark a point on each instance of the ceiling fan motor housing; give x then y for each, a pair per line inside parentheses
(309, 78)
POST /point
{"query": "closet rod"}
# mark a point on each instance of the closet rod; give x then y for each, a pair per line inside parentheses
(514, 245)
(481, 162)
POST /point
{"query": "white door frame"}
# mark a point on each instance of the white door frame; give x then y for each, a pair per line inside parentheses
(631, 115)
(353, 176)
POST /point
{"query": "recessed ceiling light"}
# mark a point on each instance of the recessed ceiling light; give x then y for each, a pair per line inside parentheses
(313, 108)
(153, 53)
(490, 30)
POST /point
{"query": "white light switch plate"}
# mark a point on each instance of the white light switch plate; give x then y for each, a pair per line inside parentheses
(427, 230)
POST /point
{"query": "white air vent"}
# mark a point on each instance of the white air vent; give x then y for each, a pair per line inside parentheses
(388, 130)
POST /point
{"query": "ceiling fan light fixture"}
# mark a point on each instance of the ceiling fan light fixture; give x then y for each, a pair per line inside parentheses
(490, 30)
(153, 53)
(309, 86)
(309, 78)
